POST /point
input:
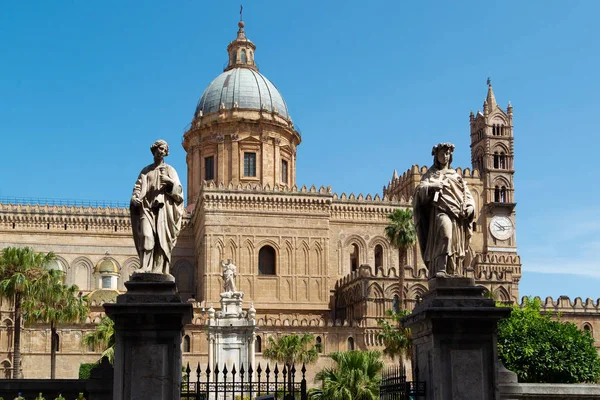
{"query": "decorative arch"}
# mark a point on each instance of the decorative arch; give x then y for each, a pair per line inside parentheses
(501, 147)
(218, 256)
(247, 264)
(587, 327)
(232, 251)
(501, 294)
(6, 368)
(82, 273)
(183, 271)
(315, 259)
(416, 290)
(130, 265)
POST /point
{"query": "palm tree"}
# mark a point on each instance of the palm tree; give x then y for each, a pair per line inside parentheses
(396, 338)
(292, 349)
(20, 268)
(402, 235)
(103, 337)
(356, 376)
(55, 303)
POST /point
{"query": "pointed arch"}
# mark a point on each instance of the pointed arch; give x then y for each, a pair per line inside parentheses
(83, 273)
(501, 294)
(218, 256)
(302, 264)
(130, 265)
(232, 251)
(248, 266)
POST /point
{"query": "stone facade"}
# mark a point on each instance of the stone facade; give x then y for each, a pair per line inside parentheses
(309, 259)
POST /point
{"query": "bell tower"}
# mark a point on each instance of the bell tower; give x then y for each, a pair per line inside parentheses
(492, 153)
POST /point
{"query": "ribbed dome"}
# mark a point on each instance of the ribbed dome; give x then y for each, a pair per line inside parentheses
(245, 87)
(107, 266)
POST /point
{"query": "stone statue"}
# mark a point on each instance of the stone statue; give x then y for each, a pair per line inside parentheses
(229, 274)
(444, 210)
(156, 212)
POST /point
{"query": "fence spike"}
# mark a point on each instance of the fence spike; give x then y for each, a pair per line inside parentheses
(188, 370)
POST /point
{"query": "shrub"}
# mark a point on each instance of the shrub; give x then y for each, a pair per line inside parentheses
(85, 370)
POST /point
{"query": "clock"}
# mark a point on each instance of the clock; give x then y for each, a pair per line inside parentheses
(501, 228)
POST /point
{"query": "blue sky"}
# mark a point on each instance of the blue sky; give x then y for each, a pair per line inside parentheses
(86, 87)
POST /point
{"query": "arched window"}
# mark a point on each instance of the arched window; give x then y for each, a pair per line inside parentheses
(503, 194)
(258, 345)
(378, 256)
(396, 304)
(354, 258)
(187, 346)
(350, 343)
(588, 328)
(319, 344)
(497, 194)
(244, 58)
(502, 160)
(56, 340)
(496, 160)
(234, 57)
(266, 261)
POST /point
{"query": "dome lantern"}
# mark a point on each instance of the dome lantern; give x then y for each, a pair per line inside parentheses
(241, 51)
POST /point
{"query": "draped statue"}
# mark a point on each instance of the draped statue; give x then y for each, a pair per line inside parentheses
(444, 210)
(156, 212)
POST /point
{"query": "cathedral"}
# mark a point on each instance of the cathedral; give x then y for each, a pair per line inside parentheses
(308, 259)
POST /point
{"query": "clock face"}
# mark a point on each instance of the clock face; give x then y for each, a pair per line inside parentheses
(501, 228)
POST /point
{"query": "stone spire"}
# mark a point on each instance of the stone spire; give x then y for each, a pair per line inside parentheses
(491, 99)
(395, 175)
(241, 50)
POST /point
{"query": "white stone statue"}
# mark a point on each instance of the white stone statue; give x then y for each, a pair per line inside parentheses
(444, 211)
(156, 212)
(229, 274)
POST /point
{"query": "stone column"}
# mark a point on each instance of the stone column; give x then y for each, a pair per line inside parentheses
(454, 340)
(149, 321)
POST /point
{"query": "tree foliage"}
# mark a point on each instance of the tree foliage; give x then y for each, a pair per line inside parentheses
(396, 338)
(21, 268)
(292, 349)
(103, 337)
(54, 303)
(540, 349)
(402, 235)
(356, 376)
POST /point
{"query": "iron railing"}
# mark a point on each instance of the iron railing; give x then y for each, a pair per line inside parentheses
(245, 383)
(394, 385)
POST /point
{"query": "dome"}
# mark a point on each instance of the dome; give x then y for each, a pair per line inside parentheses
(241, 88)
(107, 266)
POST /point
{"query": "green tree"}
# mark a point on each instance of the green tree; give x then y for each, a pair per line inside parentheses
(356, 376)
(20, 269)
(103, 337)
(56, 304)
(292, 349)
(395, 337)
(402, 235)
(540, 349)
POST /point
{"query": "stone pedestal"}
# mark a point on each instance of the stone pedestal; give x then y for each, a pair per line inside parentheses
(149, 321)
(454, 340)
(231, 334)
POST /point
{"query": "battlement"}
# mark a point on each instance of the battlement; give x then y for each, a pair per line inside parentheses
(563, 304)
(413, 175)
(65, 217)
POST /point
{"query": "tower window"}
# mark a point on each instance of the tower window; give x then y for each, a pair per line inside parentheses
(106, 282)
(249, 164)
(496, 160)
(497, 194)
(258, 345)
(502, 161)
(503, 194)
(187, 347)
(396, 304)
(209, 168)
(244, 58)
(350, 343)
(354, 258)
(284, 171)
(266, 261)
(378, 256)
(319, 344)
(234, 57)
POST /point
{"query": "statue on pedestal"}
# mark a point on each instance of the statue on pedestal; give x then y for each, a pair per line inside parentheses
(444, 211)
(156, 212)
(229, 274)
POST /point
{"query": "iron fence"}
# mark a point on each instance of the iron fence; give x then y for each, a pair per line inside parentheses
(394, 385)
(243, 384)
